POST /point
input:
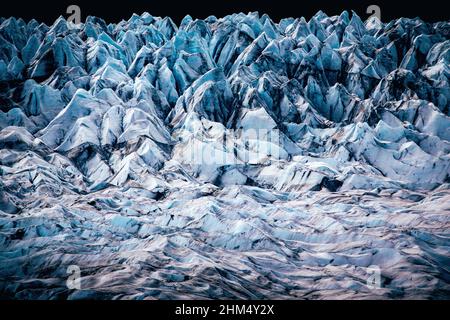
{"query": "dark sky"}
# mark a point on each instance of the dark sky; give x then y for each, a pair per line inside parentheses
(113, 10)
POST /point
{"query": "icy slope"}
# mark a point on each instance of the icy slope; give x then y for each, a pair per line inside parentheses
(225, 158)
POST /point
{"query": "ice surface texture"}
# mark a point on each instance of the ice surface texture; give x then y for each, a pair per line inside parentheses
(99, 123)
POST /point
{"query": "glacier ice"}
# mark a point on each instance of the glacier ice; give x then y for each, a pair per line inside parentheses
(144, 153)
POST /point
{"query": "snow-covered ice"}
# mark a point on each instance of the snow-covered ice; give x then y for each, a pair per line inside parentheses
(233, 157)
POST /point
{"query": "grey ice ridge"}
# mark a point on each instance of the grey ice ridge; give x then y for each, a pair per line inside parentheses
(137, 159)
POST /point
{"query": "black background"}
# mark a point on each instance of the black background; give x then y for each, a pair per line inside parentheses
(165, 310)
(114, 11)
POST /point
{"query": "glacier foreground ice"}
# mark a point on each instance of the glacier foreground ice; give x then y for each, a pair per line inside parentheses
(225, 158)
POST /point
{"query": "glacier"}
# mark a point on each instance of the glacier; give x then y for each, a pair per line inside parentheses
(225, 158)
